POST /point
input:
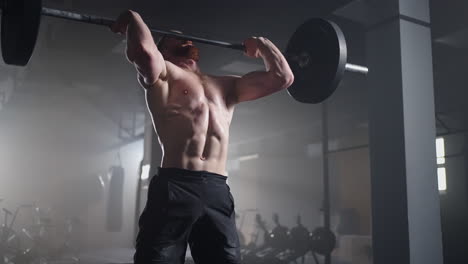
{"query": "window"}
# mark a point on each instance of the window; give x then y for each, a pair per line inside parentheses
(441, 172)
(145, 169)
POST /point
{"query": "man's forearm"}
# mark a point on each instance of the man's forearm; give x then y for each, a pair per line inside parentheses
(273, 59)
(139, 38)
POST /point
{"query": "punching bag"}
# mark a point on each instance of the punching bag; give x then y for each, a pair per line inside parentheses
(115, 199)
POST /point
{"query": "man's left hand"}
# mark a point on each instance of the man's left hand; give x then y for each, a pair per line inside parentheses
(251, 47)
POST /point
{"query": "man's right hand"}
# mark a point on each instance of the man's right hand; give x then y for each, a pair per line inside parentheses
(121, 24)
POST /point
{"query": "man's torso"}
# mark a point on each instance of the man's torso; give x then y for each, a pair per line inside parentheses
(192, 116)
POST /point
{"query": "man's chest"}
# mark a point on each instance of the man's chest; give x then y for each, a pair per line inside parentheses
(192, 92)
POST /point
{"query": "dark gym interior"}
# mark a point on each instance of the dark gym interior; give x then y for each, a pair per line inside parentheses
(78, 149)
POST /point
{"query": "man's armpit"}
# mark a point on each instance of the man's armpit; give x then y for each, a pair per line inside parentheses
(143, 82)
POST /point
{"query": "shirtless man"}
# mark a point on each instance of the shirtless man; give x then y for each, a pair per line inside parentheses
(189, 201)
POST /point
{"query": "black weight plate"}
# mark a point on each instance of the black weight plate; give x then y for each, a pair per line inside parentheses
(322, 241)
(324, 44)
(20, 26)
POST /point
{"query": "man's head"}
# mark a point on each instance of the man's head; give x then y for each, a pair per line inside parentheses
(178, 51)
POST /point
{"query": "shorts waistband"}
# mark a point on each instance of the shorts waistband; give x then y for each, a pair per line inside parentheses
(183, 173)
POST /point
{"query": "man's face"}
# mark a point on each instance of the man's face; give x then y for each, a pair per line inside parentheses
(178, 51)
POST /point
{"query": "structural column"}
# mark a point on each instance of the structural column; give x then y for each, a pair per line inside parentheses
(405, 200)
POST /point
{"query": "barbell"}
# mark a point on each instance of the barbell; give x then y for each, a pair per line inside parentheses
(316, 52)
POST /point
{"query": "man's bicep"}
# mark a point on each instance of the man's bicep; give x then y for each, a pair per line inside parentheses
(150, 66)
(252, 86)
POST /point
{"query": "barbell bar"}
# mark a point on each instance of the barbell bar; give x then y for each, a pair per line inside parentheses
(316, 52)
(102, 21)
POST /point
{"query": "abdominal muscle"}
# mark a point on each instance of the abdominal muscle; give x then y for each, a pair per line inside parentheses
(193, 131)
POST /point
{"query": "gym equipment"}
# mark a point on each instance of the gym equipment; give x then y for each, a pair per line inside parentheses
(20, 25)
(46, 241)
(280, 235)
(322, 241)
(317, 55)
(317, 51)
(266, 251)
(282, 246)
(115, 201)
(9, 240)
(300, 237)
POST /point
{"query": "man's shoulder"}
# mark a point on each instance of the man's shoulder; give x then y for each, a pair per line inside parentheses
(173, 69)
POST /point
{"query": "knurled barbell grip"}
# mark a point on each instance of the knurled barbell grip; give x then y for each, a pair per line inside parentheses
(90, 19)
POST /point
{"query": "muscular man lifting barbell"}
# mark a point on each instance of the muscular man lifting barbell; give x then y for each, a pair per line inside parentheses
(189, 200)
(192, 112)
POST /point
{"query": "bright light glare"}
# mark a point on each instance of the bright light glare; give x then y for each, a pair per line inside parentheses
(441, 177)
(248, 157)
(440, 150)
(145, 172)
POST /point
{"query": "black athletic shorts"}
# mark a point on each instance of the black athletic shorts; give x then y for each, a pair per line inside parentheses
(188, 207)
